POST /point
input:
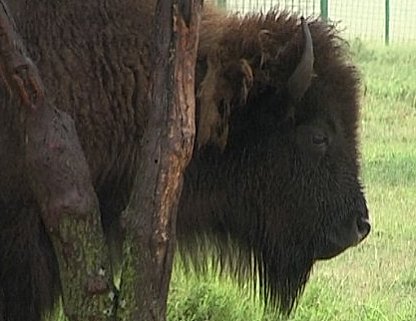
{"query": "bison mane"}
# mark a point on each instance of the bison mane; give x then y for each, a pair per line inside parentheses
(279, 269)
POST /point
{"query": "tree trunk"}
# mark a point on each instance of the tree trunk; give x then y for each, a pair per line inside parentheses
(58, 174)
(60, 178)
(150, 219)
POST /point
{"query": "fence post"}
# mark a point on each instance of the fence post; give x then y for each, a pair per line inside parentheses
(324, 9)
(387, 23)
(222, 4)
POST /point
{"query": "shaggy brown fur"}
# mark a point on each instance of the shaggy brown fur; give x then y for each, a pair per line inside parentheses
(268, 198)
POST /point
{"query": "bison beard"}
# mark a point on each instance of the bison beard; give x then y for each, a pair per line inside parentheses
(273, 183)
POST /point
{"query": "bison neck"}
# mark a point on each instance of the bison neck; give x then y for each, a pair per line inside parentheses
(227, 213)
(216, 203)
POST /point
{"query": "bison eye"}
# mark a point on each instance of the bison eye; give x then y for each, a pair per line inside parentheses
(313, 141)
(320, 139)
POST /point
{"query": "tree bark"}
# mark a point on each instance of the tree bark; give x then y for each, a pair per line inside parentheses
(60, 179)
(58, 174)
(150, 219)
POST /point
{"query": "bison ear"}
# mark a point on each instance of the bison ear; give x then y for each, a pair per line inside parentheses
(269, 47)
(239, 78)
(224, 88)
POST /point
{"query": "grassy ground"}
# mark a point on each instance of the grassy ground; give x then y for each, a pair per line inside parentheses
(376, 281)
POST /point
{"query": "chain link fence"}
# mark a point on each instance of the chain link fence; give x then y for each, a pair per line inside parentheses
(391, 21)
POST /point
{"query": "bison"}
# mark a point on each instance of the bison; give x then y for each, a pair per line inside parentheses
(273, 184)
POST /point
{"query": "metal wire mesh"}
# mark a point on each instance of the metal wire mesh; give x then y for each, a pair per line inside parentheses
(402, 21)
(375, 20)
(299, 6)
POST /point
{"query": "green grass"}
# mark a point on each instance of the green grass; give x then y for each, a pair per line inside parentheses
(377, 280)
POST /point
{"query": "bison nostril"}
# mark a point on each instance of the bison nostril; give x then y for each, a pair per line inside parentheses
(364, 227)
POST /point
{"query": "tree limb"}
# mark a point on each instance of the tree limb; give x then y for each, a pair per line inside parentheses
(150, 219)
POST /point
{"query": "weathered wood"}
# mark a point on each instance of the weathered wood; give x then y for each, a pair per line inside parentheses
(59, 177)
(17, 72)
(150, 219)
(61, 181)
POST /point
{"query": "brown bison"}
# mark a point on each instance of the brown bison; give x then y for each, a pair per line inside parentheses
(273, 183)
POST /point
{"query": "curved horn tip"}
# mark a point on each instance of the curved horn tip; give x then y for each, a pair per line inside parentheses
(305, 28)
(301, 78)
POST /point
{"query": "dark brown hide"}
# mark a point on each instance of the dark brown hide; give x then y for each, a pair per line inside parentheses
(279, 190)
(272, 193)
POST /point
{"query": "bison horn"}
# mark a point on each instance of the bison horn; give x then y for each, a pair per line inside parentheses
(301, 78)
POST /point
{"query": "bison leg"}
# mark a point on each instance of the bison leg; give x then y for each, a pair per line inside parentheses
(29, 276)
(60, 178)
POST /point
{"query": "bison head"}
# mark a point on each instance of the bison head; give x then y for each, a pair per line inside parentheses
(273, 185)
